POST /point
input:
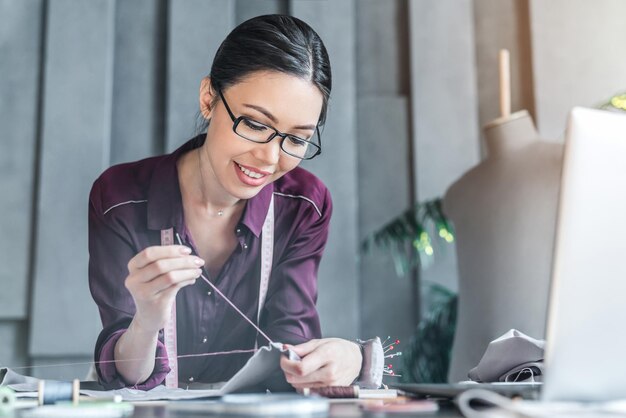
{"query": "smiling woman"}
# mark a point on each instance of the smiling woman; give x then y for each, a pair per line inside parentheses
(224, 194)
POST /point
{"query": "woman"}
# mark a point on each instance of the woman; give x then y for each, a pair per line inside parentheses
(265, 99)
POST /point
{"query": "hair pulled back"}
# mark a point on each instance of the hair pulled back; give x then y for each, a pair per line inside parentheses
(277, 43)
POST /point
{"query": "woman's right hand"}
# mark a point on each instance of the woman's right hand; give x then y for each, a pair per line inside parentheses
(155, 276)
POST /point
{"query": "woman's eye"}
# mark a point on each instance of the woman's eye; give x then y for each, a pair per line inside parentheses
(297, 141)
(254, 125)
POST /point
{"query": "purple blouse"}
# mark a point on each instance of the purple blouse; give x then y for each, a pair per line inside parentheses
(130, 203)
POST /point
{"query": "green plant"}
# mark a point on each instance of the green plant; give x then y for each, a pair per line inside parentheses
(409, 240)
(617, 102)
(408, 237)
(427, 356)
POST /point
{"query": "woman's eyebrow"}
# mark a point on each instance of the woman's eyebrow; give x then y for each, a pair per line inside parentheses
(273, 119)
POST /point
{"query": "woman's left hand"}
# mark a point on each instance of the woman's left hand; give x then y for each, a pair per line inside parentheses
(325, 362)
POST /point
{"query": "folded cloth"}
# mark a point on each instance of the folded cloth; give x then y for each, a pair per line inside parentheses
(9, 377)
(514, 357)
(22, 383)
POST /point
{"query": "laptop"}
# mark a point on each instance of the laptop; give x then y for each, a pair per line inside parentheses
(586, 338)
(586, 325)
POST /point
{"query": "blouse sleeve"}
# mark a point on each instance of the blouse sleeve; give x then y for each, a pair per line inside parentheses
(289, 314)
(110, 250)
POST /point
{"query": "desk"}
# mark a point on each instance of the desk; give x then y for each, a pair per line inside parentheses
(337, 410)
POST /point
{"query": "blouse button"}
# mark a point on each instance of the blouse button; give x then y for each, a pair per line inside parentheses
(209, 293)
(238, 230)
(204, 340)
(191, 379)
(245, 246)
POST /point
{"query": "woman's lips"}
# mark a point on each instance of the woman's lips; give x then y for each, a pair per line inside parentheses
(250, 176)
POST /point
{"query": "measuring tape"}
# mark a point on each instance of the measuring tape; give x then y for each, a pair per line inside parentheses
(169, 331)
(267, 254)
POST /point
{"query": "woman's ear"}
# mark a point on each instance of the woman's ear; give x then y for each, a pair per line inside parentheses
(206, 97)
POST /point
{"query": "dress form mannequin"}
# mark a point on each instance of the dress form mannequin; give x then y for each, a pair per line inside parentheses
(504, 213)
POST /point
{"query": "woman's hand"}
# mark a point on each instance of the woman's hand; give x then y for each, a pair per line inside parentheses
(325, 362)
(156, 274)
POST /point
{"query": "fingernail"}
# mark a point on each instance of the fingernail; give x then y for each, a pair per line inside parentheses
(198, 272)
(198, 261)
(185, 250)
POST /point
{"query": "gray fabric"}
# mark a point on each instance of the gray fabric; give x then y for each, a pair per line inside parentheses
(513, 356)
(9, 378)
(21, 383)
(527, 372)
(263, 366)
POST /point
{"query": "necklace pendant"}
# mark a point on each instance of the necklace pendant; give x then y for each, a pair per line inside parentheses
(220, 213)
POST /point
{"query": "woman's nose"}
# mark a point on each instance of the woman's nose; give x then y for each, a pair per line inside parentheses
(269, 153)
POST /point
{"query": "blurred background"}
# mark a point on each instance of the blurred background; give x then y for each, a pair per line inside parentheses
(88, 84)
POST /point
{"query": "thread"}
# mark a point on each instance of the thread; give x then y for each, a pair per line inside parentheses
(50, 392)
(217, 353)
(237, 309)
(333, 391)
(228, 300)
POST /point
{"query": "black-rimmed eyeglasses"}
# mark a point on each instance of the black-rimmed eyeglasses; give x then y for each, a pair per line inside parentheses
(258, 132)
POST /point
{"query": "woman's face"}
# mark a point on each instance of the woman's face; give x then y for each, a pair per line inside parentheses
(285, 102)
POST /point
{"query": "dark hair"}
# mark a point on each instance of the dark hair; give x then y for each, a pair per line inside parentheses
(273, 42)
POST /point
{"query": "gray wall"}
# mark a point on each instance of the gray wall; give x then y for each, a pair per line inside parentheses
(20, 49)
(584, 68)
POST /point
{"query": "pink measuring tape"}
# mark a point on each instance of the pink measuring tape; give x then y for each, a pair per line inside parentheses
(169, 331)
(267, 253)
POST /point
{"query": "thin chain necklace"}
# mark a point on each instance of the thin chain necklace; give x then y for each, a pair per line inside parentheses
(220, 212)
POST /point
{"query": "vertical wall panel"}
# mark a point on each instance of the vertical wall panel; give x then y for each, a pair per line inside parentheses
(578, 57)
(247, 9)
(13, 347)
(138, 84)
(443, 81)
(382, 47)
(75, 141)
(387, 301)
(195, 30)
(502, 24)
(444, 108)
(20, 33)
(334, 21)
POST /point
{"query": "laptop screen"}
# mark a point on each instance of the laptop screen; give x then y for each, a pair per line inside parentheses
(586, 338)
